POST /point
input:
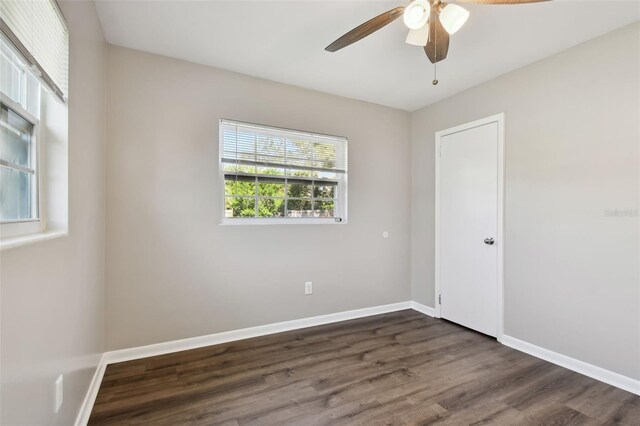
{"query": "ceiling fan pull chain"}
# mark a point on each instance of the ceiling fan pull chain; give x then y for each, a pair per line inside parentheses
(435, 64)
(435, 74)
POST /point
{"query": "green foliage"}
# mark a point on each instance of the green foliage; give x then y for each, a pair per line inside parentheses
(270, 207)
(241, 190)
(241, 207)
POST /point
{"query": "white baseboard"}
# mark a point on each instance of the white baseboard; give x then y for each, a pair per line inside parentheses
(598, 373)
(427, 310)
(247, 333)
(129, 354)
(90, 398)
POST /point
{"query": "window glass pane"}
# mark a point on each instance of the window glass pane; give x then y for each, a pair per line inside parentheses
(270, 149)
(299, 208)
(229, 143)
(302, 173)
(274, 171)
(228, 167)
(10, 74)
(32, 96)
(246, 146)
(271, 207)
(229, 187)
(15, 194)
(15, 138)
(323, 209)
(299, 189)
(299, 153)
(16, 81)
(240, 207)
(239, 185)
(324, 190)
(270, 187)
(246, 169)
(324, 155)
(327, 175)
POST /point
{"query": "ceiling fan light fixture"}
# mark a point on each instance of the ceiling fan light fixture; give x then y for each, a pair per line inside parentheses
(418, 37)
(416, 14)
(453, 17)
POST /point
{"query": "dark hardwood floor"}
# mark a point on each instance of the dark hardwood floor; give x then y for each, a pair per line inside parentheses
(398, 368)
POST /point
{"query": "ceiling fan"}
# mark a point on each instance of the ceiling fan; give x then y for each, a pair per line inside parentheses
(430, 23)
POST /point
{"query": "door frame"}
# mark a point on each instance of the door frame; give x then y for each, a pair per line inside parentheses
(499, 119)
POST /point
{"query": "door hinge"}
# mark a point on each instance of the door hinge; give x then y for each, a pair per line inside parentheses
(439, 299)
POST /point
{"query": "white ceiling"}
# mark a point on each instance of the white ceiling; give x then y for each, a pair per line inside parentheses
(284, 41)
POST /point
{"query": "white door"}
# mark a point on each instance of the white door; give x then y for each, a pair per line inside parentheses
(468, 226)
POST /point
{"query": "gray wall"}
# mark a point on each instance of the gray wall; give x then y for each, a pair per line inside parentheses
(53, 292)
(173, 272)
(572, 273)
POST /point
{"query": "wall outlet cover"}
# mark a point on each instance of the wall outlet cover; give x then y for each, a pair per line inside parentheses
(308, 288)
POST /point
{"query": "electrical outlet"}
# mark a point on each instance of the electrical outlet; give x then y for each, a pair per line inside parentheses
(308, 288)
(59, 390)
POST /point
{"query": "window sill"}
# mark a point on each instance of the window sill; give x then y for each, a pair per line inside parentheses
(23, 240)
(261, 222)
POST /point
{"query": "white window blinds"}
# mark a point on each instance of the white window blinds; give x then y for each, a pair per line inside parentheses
(39, 32)
(256, 145)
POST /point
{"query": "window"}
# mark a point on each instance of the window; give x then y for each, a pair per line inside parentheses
(34, 56)
(274, 175)
(18, 187)
(19, 112)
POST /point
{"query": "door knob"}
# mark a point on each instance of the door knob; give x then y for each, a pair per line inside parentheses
(489, 241)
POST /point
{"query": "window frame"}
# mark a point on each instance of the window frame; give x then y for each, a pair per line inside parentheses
(39, 100)
(340, 198)
(36, 224)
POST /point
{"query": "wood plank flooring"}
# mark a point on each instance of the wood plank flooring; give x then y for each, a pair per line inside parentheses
(393, 369)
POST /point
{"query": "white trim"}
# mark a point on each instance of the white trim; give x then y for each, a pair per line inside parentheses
(19, 228)
(19, 109)
(129, 354)
(423, 309)
(90, 398)
(236, 221)
(23, 240)
(122, 355)
(499, 119)
(590, 370)
(500, 232)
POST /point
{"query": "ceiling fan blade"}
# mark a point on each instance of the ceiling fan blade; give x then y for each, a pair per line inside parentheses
(438, 43)
(500, 1)
(371, 26)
